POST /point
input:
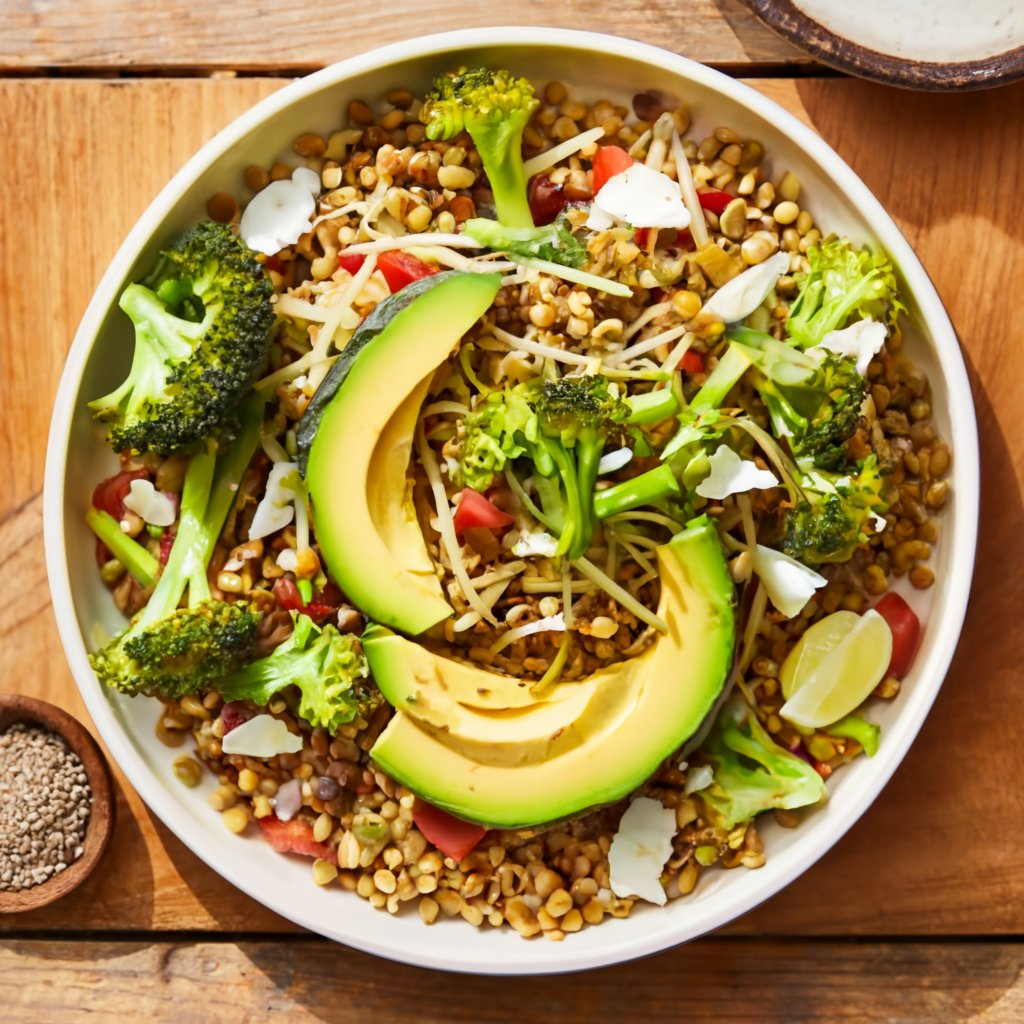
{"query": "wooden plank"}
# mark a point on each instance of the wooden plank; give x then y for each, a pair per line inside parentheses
(940, 850)
(211, 983)
(125, 34)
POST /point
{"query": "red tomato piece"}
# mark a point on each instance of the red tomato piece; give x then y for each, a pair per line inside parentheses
(351, 261)
(693, 362)
(609, 161)
(906, 632)
(233, 714)
(714, 200)
(287, 594)
(475, 510)
(642, 236)
(166, 542)
(109, 494)
(294, 836)
(400, 269)
(547, 200)
(452, 836)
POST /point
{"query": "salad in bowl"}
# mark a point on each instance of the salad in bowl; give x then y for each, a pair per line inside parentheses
(518, 497)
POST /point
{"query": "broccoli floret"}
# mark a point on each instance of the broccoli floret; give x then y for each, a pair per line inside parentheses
(326, 666)
(170, 651)
(752, 773)
(829, 521)
(553, 242)
(843, 283)
(561, 426)
(494, 107)
(202, 332)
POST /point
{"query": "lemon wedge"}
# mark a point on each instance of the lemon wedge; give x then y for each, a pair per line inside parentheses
(834, 667)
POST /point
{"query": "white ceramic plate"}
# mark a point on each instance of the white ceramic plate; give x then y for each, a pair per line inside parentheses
(594, 66)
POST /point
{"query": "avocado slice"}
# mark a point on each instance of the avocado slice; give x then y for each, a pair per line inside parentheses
(361, 441)
(588, 743)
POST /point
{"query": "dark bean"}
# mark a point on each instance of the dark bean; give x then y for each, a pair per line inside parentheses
(326, 788)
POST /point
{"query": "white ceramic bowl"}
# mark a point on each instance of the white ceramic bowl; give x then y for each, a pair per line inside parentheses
(594, 66)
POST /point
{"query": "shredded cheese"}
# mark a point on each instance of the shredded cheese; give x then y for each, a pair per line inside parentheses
(645, 346)
(553, 623)
(624, 597)
(446, 527)
(649, 314)
(542, 161)
(538, 348)
(684, 176)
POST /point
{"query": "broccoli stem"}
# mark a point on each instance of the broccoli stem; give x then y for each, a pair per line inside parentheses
(646, 489)
(722, 379)
(574, 516)
(128, 551)
(652, 406)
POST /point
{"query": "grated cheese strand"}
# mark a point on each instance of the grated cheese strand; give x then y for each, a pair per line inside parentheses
(647, 345)
(542, 161)
(649, 314)
(684, 176)
(538, 348)
(624, 597)
(425, 238)
(489, 597)
(446, 527)
(601, 284)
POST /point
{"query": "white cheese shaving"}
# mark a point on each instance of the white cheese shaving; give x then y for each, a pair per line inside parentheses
(732, 475)
(538, 542)
(288, 801)
(879, 522)
(288, 560)
(640, 197)
(789, 583)
(262, 736)
(277, 506)
(611, 461)
(700, 778)
(564, 150)
(860, 341)
(151, 505)
(738, 298)
(640, 849)
(551, 624)
(307, 178)
(277, 216)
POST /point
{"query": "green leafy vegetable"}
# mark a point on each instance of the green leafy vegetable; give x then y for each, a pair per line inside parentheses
(326, 666)
(554, 242)
(843, 284)
(752, 773)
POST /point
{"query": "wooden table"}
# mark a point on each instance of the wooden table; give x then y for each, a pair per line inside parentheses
(916, 915)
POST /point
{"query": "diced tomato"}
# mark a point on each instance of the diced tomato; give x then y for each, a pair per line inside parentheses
(166, 542)
(714, 200)
(609, 161)
(400, 269)
(351, 261)
(475, 510)
(294, 836)
(693, 362)
(109, 495)
(642, 236)
(906, 632)
(324, 603)
(547, 200)
(287, 594)
(452, 836)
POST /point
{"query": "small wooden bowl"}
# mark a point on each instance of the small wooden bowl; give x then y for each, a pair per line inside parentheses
(15, 708)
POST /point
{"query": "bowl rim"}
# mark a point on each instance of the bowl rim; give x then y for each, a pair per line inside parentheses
(663, 934)
(19, 708)
(788, 20)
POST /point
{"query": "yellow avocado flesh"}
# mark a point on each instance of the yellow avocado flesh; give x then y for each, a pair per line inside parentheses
(365, 523)
(505, 769)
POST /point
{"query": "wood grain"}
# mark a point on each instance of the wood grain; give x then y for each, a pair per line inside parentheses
(236, 34)
(308, 981)
(939, 853)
